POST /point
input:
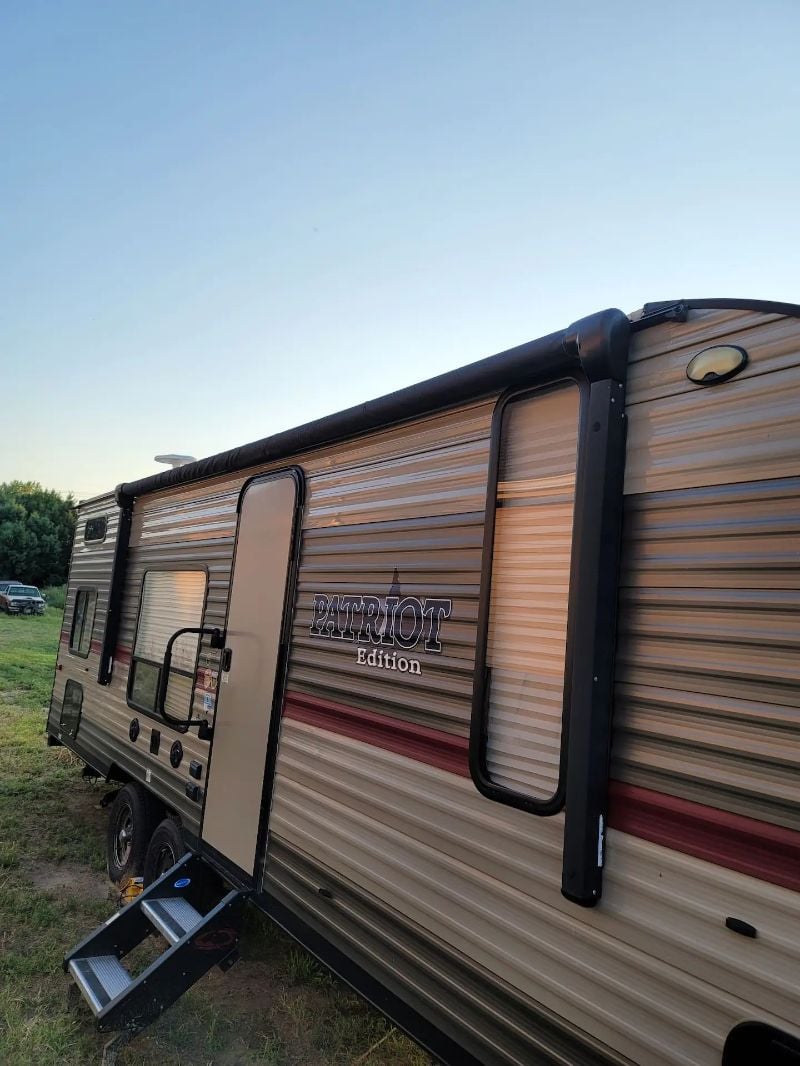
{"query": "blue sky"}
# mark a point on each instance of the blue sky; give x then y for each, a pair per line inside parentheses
(222, 220)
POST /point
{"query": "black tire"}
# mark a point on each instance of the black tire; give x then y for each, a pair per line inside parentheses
(165, 848)
(130, 826)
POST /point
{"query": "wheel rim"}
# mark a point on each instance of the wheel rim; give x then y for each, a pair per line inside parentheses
(123, 838)
(165, 859)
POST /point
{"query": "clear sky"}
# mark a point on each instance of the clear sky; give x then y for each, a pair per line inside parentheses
(219, 220)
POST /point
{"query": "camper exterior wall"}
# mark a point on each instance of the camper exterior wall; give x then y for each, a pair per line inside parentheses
(707, 688)
(91, 566)
(435, 463)
(709, 636)
(380, 843)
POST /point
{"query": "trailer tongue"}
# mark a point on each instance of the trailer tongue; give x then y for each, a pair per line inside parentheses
(195, 912)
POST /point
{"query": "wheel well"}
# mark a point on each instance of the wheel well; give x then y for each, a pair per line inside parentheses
(116, 773)
(120, 776)
(752, 1042)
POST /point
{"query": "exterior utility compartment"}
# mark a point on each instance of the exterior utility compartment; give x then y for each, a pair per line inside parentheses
(486, 691)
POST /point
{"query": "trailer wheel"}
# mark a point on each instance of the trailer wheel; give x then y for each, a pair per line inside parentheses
(165, 848)
(130, 827)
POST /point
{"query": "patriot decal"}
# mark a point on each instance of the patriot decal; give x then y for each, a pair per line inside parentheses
(381, 625)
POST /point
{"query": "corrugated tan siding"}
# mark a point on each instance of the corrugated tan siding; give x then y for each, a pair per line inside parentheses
(708, 662)
(681, 435)
(195, 525)
(90, 567)
(441, 983)
(102, 738)
(651, 973)
(158, 541)
(430, 557)
(447, 479)
(91, 563)
(708, 573)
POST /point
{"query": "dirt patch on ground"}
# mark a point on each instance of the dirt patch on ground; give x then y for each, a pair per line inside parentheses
(71, 878)
(253, 996)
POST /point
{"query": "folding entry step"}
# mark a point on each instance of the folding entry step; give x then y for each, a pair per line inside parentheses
(200, 918)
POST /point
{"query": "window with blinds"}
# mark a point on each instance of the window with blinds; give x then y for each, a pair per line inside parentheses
(171, 600)
(529, 591)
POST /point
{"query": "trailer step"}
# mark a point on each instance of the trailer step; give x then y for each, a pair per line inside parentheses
(100, 978)
(173, 917)
(198, 913)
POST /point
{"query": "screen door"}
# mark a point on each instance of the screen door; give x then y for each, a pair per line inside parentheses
(247, 695)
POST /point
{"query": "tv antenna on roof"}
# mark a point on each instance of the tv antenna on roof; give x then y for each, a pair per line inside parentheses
(175, 460)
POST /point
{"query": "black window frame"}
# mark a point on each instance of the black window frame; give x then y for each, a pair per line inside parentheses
(479, 732)
(152, 712)
(72, 649)
(63, 730)
(595, 351)
(100, 520)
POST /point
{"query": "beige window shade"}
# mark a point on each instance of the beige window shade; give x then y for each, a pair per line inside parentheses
(171, 599)
(529, 592)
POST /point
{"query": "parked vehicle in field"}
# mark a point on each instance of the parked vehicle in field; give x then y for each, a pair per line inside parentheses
(22, 599)
(361, 675)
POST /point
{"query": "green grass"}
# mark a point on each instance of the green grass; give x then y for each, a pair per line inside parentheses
(277, 1007)
(55, 595)
(28, 646)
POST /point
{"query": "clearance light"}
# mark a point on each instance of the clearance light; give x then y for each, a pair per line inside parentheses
(715, 365)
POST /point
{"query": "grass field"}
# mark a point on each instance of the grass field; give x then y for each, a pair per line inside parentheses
(276, 1007)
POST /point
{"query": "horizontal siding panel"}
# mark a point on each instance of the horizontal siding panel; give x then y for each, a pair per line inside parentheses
(708, 655)
(659, 357)
(653, 973)
(442, 984)
(447, 480)
(91, 565)
(683, 436)
(460, 426)
(426, 557)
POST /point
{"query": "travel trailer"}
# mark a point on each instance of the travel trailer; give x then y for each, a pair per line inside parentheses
(486, 691)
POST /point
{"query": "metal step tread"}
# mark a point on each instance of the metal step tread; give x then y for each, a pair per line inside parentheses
(101, 978)
(173, 916)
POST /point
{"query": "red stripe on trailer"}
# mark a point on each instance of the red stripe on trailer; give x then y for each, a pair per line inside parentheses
(95, 647)
(760, 849)
(432, 746)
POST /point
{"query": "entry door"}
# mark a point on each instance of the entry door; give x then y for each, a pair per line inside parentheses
(247, 695)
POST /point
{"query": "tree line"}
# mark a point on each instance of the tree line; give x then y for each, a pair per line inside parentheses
(36, 531)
